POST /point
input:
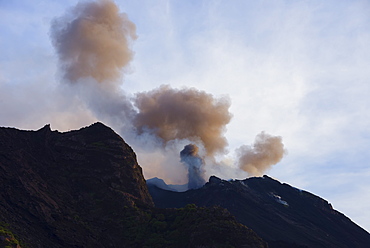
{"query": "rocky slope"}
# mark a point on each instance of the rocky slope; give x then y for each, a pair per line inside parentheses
(85, 188)
(280, 214)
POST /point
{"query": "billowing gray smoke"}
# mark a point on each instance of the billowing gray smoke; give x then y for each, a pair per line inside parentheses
(189, 156)
(266, 151)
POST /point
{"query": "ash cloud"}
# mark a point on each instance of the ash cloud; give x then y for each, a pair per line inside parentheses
(266, 151)
(184, 114)
(190, 157)
(93, 44)
(93, 40)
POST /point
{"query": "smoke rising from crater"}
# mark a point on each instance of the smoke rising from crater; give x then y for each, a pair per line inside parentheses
(190, 157)
(266, 151)
(93, 44)
(184, 114)
(93, 40)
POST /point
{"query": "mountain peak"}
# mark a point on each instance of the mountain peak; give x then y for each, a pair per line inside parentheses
(266, 205)
(77, 180)
(45, 128)
(99, 125)
(98, 128)
(84, 188)
(214, 180)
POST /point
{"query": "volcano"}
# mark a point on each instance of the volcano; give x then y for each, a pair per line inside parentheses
(84, 188)
(282, 215)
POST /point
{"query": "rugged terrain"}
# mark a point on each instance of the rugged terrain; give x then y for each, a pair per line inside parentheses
(282, 215)
(85, 188)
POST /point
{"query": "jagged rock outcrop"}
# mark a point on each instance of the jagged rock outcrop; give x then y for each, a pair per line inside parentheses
(58, 188)
(84, 188)
(280, 214)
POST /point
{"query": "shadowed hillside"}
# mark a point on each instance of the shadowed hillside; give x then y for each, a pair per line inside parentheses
(85, 188)
(280, 214)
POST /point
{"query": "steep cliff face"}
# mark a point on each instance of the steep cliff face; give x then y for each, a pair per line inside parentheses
(60, 189)
(85, 188)
(280, 214)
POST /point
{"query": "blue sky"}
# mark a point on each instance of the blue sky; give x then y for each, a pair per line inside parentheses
(297, 69)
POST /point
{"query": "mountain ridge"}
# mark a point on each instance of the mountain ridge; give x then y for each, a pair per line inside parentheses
(276, 211)
(84, 188)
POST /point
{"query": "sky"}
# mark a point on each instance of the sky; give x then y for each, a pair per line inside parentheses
(294, 69)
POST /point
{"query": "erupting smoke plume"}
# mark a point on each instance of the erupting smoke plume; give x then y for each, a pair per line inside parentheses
(266, 151)
(93, 44)
(189, 156)
(93, 40)
(184, 114)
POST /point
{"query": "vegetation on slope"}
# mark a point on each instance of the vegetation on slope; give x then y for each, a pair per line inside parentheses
(7, 239)
(85, 188)
(190, 226)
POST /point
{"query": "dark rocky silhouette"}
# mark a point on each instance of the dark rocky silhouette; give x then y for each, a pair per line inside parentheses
(280, 214)
(161, 184)
(85, 188)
